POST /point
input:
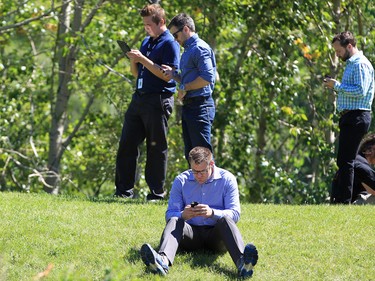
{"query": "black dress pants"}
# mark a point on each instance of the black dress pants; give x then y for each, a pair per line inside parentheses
(146, 118)
(224, 236)
(363, 173)
(353, 126)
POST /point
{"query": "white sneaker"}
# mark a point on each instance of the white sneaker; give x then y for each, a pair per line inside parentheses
(364, 199)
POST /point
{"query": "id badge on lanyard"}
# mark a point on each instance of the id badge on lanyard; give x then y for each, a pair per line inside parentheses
(140, 83)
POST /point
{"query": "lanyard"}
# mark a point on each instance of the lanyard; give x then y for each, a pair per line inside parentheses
(150, 47)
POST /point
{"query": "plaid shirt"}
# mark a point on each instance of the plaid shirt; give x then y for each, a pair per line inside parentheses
(356, 90)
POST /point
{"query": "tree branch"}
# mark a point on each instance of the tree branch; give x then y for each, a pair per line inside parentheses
(92, 14)
(14, 11)
(27, 21)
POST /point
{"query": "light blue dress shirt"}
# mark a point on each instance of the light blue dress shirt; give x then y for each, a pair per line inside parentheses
(220, 192)
(356, 90)
(198, 59)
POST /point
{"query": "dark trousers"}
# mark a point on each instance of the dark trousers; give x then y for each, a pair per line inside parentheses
(146, 118)
(353, 126)
(224, 236)
(197, 119)
(363, 173)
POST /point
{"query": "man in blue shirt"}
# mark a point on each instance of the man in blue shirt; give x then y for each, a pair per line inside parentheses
(202, 213)
(151, 105)
(354, 99)
(197, 78)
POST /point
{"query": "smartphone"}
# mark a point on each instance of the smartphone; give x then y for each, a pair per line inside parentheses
(326, 77)
(124, 46)
(193, 204)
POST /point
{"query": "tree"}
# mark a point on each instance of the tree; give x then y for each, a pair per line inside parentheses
(65, 88)
(70, 26)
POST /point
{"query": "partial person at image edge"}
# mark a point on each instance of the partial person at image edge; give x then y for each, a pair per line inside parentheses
(364, 174)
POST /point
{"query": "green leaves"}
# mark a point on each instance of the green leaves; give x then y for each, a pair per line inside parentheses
(271, 106)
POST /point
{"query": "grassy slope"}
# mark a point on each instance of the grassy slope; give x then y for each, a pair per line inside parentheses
(87, 240)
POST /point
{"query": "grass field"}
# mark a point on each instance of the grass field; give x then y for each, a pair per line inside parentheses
(43, 237)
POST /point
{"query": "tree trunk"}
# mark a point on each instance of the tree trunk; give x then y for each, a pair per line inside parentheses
(330, 134)
(256, 189)
(66, 61)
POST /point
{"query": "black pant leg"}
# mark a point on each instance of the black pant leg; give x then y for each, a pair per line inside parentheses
(334, 187)
(155, 114)
(363, 173)
(133, 134)
(353, 126)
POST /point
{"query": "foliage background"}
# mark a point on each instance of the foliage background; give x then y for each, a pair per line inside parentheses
(275, 126)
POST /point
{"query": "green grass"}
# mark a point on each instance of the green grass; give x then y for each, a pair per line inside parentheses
(100, 240)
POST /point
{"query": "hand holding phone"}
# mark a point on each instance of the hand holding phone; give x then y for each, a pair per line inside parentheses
(124, 46)
(193, 204)
(326, 77)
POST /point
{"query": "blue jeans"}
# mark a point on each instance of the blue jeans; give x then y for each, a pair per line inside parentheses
(197, 119)
(353, 126)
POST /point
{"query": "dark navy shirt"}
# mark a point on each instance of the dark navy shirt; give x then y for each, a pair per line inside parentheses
(161, 50)
(198, 59)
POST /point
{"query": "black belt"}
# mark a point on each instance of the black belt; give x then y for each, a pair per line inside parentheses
(343, 112)
(141, 94)
(191, 100)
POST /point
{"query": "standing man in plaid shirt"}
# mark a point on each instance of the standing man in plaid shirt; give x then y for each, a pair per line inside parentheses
(355, 94)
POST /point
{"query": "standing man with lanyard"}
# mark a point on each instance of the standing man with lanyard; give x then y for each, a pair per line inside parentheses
(150, 107)
(197, 79)
(355, 94)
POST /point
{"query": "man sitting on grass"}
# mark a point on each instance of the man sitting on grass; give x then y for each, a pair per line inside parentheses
(364, 174)
(209, 224)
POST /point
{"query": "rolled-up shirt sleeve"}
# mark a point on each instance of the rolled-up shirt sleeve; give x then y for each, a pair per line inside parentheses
(206, 67)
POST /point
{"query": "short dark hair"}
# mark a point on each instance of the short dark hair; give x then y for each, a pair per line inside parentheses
(154, 10)
(367, 143)
(200, 154)
(345, 38)
(182, 20)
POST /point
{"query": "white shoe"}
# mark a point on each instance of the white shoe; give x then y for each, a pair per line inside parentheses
(364, 199)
